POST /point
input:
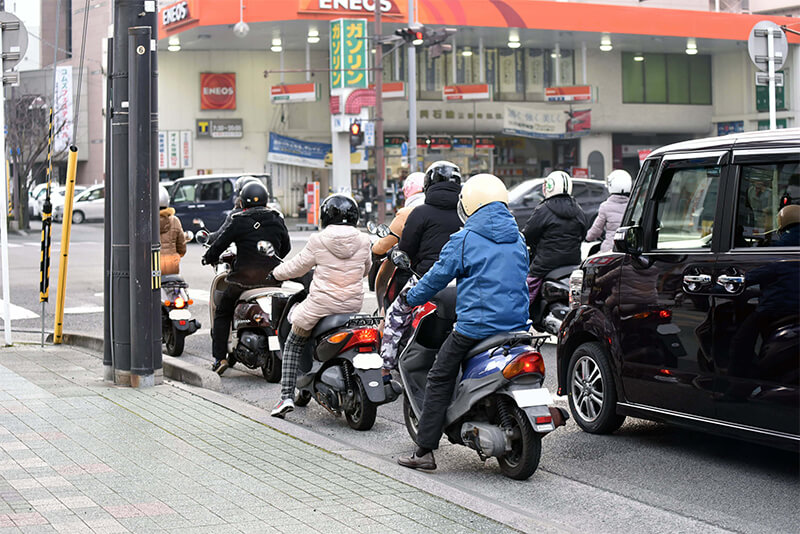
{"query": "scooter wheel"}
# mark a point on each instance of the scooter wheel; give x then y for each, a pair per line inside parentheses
(364, 412)
(526, 449)
(272, 369)
(302, 398)
(174, 341)
(412, 424)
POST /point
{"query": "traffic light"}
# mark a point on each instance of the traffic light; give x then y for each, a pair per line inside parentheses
(415, 36)
(356, 134)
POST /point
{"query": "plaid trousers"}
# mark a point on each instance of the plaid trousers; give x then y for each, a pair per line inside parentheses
(292, 351)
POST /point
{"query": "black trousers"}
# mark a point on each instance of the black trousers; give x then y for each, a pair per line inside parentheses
(223, 316)
(440, 386)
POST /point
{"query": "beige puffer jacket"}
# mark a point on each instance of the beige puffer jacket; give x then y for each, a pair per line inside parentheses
(341, 255)
(173, 242)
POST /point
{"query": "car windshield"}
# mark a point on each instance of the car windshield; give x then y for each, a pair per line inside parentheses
(520, 190)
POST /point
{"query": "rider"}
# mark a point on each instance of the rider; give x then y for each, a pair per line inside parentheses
(609, 216)
(237, 204)
(341, 255)
(427, 230)
(555, 230)
(489, 260)
(254, 223)
(414, 196)
(173, 241)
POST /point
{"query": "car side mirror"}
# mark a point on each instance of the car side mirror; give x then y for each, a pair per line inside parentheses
(400, 259)
(202, 237)
(628, 240)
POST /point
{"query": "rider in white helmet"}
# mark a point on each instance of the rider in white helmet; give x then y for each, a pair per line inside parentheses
(555, 230)
(610, 213)
(173, 242)
(414, 196)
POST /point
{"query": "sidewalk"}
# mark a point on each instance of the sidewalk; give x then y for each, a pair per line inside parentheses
(80, 455)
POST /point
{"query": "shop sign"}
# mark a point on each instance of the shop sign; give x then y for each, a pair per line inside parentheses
(440, 141)
(423, 141)
(461, 141)
(762, 98)
(393, 140)
(529, 121)
(173, 149)
(725, 128)
(162, 150)
(484, 142)
(217, 90)
(389, 8)
(177, 14)
(291, 151)
(296, 92)
(312, 203)
(392, 90)
(580, 172)
(219, 128)
(349, 53)
(479, 91)
(63, 111)
(186, 149)
(643, 153)
(577, 93)
(764, 125)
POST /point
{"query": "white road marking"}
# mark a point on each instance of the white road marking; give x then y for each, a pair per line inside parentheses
(78, 310)
(100, 294)
(19, 313)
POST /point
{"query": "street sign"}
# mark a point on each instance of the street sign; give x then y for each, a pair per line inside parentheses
(15, 39)
(404, 149)
(757, 45)
(762, 78)
(577, 93)
(369, 134)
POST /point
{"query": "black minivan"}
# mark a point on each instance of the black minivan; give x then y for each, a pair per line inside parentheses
(694, 319)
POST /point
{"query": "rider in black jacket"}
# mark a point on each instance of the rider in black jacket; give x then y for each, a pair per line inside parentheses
(555, 230)
(253, 224)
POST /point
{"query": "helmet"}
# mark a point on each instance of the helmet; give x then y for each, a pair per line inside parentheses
(338, 209)
(242, 181)
(479, 191)
(413, 184)
(557, 183)
(254, 194)
(163, 197)
(442, 171)
(619, 182)
(788, 216)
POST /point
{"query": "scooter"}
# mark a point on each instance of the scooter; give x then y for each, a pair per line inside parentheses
(340, 366)
(389, 280)
(176, 319)
(500, 407)
(253, 340)
(551, 306)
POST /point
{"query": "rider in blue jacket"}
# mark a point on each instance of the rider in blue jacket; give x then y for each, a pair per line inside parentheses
(489, 260)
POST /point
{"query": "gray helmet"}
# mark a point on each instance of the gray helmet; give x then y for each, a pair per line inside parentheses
(163, 197)
(242, 181)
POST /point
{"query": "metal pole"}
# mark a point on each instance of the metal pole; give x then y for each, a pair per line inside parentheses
(308, 62)
(481, 59)
(412, 98)
(155, 234)
(557, 65)
(771, 62)
(108, 361)
(583, 62)
(66, 227)
(380, 164)
(142, 258)
(4, 216)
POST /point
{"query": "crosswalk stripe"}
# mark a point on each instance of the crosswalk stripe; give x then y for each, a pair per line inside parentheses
(18, 313)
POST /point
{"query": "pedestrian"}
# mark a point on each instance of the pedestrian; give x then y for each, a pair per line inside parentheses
(609, 215)
(489, 261)
(340, 254)
(173, 240)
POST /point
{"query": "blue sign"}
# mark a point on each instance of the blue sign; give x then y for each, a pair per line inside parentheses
(725, 128)
(291, 151)
(404, 149)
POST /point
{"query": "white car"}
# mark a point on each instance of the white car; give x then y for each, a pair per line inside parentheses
(57, 196)
(89, 205)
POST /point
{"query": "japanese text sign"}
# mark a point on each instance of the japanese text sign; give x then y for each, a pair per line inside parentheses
(349, 51)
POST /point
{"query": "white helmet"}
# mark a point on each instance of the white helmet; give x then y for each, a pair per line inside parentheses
(557, 183)
(413, 184)
(619, 182)
(163, 197)
(479, 191)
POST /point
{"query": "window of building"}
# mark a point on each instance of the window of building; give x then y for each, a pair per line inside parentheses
(666, 79)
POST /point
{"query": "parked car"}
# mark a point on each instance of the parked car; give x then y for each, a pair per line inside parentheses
(89, 205)
(524, 197)
(209, 198)
(57, 195)
(694, 319)
(33, 193)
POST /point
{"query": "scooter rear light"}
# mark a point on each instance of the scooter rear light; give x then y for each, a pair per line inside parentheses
(190, 302)
(363, 336)
(167, 303)
(179, 302)
(544, 419)
(525, 363)
(182, 322)
(338, 338)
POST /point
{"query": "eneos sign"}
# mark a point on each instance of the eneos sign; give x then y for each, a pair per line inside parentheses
(177, 14)
(388, 7)
(218, 90)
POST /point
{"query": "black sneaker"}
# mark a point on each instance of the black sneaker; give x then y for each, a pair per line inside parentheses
(219, 366)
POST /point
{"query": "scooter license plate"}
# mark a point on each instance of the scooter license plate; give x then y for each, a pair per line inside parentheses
(273, 343)
(179, 315)
(532, 397)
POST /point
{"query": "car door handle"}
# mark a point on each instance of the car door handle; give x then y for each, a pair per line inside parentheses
(731, 283)
(697, 279)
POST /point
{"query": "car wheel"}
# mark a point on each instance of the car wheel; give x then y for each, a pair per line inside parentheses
(592, 395)
(77, 217)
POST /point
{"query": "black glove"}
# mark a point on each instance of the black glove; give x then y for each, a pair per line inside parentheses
(203, 261)
(271, 280)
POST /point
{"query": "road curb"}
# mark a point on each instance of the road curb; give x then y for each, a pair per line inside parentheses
(174, 368)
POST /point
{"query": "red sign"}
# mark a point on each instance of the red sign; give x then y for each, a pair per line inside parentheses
(479, 91)
(577, 93)
(389, 8)
(312, 203)
(297, 92)
(392, 90)
(643, 153)
(218, 90)
(580, 172)
(484, 142)
(579, 121)
(440, 142)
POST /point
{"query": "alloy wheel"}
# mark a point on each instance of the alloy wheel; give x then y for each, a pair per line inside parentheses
(587, 388)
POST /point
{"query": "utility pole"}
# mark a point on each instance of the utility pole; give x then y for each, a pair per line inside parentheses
(380, 166)
(108, 361)
(412, 97)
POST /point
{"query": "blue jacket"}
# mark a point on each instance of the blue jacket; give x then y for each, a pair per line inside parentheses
(490, 262)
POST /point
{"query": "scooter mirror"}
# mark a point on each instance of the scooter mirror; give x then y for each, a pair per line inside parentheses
(188, 235)
(202, 237)
(382, 230)
(372, 227)
(265, 248)
(400, 259)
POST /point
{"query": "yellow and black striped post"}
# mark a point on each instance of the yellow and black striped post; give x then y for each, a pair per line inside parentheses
(66, 228)
(47, 209)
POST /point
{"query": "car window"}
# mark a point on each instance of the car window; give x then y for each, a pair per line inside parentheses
(184, 193)
(635, 210)
(209, 192)
(94, 195)
(520, 190)
(764, 189)
(685, 207)
(227, 189)
(579, 190)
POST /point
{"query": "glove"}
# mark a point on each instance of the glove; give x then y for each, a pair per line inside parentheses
(203, 261)
(271, 280)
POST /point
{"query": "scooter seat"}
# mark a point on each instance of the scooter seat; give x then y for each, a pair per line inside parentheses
(561, 272)
(497, 340)
(257, 292)
(173, 280)
(330, 322)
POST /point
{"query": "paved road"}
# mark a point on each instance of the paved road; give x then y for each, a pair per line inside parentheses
(646, 477)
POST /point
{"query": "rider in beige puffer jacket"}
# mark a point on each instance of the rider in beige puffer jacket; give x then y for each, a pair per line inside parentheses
(173, 242)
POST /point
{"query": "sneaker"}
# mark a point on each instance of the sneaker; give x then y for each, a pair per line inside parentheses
(283, 407)
(413, 461)
(219, 366)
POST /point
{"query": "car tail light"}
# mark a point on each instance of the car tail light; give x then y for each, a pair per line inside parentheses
(180, 303)
(575, 288)
(525, 363)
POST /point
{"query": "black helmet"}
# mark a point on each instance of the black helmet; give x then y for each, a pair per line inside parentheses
(338, 209)
(254, 194)
(442, 171)
(242, 181)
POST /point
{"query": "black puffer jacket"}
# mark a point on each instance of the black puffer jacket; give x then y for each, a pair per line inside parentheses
(429, 226)
(554, 234)
(246, 229)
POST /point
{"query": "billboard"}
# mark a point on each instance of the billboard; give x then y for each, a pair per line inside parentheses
(349, 53)
(217, 90)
